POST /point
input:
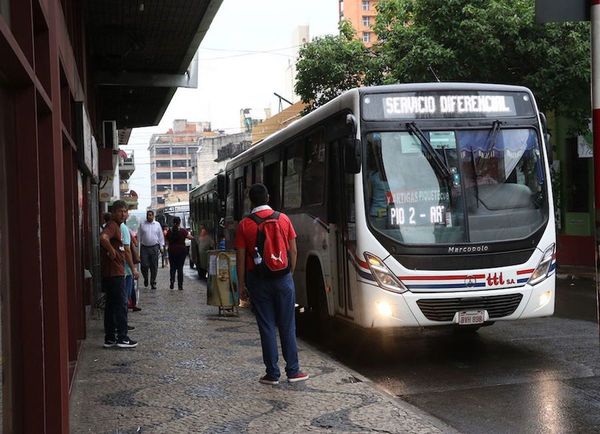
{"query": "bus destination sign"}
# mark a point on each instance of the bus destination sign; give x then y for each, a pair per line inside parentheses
(429, 105)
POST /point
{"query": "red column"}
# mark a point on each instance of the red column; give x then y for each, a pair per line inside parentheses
(55, 252)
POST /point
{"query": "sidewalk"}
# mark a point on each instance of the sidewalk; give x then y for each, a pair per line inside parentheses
(194, 371)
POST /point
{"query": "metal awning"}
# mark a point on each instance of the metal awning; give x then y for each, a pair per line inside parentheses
(140, 51)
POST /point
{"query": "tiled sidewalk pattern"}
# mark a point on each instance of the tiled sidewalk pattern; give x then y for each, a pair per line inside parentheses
(194, 371)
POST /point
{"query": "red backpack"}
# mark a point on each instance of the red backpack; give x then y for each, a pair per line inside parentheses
(270, 254)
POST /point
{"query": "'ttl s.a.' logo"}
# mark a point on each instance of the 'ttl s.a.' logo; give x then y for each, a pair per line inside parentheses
(497, 280)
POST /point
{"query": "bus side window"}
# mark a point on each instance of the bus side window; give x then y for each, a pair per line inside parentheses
(239, 199)
(257, 171)
(272, 180)
(313, 176)
(292, 173)
(229, 202)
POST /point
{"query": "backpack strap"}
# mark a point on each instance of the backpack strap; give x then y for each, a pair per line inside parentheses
(258, 220)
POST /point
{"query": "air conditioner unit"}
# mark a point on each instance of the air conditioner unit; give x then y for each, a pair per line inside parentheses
(110, 138)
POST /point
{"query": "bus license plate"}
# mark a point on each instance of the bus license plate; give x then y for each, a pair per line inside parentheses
(469, 317)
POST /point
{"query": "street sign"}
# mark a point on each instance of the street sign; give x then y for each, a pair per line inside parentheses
(556, 11)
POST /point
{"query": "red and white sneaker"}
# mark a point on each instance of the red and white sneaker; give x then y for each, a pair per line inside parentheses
(300, 376)
(268, 380)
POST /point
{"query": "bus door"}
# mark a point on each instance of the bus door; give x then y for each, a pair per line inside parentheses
(341, 214)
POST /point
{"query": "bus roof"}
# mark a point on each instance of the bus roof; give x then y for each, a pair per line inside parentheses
(350, 100)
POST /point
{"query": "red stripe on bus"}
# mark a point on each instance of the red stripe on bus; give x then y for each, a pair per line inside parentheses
(531, 270)
(476, 276)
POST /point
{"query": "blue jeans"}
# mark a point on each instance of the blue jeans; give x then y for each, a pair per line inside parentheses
(115, 309)
(129, 288)
(274, 305)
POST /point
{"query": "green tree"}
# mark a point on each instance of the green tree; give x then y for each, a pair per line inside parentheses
(329, 65)
(489, 41)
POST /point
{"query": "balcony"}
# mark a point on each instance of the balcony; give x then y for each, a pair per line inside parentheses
(126, 164)
(131, 199)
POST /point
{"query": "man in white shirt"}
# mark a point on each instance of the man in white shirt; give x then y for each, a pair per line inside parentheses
(152, 243)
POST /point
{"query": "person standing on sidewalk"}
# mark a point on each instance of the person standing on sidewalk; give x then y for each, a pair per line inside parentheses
(113, 280)
(175, 238)
(273, 296)
(131, 272)
(152, 243)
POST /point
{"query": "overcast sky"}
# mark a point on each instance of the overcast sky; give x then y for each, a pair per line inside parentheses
(242, 61)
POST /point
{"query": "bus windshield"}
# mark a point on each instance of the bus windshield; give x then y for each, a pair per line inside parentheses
(493, 188)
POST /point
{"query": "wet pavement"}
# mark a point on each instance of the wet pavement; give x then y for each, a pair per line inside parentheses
(537, 375)
(194, 371)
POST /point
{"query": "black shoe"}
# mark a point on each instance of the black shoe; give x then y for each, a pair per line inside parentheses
(109, 343)
(181, 288)
(153, 287)
(130, 327)
(171, 285)
(146, 283)
(136, 309)
(126, 343)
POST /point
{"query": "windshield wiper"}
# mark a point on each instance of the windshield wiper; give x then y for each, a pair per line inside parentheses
(475, 177)
(442, 167)
(490, 143)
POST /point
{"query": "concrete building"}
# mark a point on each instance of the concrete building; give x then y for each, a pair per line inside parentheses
(204, 164)
(300, 37)
(361, 13)
(171, 161)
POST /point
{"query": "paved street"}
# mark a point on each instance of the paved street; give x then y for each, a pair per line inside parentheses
(537, 375)
(194, 371)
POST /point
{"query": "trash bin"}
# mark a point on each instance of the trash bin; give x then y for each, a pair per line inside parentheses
(222, 282)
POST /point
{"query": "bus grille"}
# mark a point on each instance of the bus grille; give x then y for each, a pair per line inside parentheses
(443, 309)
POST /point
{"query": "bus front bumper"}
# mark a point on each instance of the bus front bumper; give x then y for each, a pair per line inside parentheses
(387, 309)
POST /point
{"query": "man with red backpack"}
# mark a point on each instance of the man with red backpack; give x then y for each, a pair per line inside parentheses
(266, 258)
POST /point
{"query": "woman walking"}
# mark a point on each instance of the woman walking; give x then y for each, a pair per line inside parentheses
(175, 239)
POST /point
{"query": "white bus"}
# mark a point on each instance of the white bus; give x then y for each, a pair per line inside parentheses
(415, 205)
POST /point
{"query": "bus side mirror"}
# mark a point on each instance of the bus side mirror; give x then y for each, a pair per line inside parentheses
(352, 147)
(546, 136)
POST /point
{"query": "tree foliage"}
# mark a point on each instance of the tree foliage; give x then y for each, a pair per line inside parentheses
(488, 41)
(329, 65)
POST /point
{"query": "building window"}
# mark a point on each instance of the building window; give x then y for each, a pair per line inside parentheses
(179, 151)
(180, 187)
(162, 187)
(160, 200)
(180, 175)
(192, 150)
(162, 151)
(365, 5)
(179, 163)
(366, 36)
(163, 175)
(365, 21)
(163, 163)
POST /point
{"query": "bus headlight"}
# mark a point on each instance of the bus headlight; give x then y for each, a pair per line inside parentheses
(541, 271)
(383, 275)
(384, 309)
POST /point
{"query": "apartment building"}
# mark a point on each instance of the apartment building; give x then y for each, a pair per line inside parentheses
(361, 13)
(170, 161)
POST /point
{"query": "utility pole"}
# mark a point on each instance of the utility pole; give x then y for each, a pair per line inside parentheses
(595, 19)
